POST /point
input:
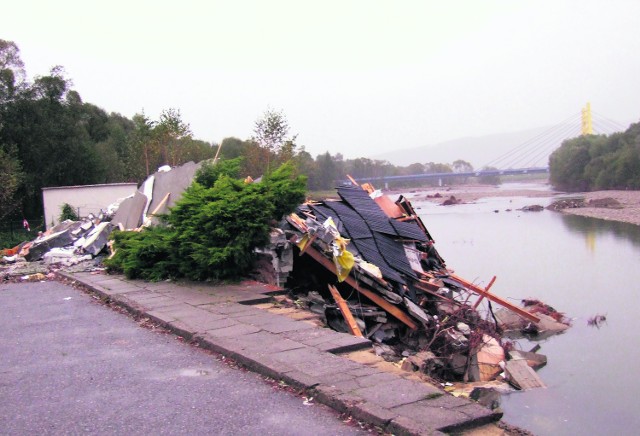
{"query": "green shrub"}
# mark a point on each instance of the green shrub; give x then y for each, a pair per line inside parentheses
(212, 231)
(67, 212)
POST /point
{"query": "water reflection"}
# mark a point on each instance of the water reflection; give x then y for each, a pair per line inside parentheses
(543, 255)
(590, 227)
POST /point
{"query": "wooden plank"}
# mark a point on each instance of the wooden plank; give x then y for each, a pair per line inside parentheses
(523, 313)
(348, 316)
(162, 203)
(475, 306)
(522, 376)
(352, 180)
(377, 299)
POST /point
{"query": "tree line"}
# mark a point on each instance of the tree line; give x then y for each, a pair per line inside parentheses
(50, 137)
(596, 162)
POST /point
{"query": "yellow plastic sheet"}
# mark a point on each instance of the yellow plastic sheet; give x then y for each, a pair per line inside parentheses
(344, 262)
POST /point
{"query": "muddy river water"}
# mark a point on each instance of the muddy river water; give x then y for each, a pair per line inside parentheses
(580, 266)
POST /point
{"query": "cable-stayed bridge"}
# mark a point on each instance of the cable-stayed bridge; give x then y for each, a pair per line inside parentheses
(531, 156)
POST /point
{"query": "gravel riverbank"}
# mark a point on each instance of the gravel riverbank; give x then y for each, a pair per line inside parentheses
(628, 212)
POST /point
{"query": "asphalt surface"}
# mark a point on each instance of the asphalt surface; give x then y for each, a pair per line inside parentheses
(69, 365)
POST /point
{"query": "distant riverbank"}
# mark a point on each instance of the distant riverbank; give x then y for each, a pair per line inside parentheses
(628, 211)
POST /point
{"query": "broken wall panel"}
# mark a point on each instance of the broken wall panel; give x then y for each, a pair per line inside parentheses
(129, 214)
(172, 182)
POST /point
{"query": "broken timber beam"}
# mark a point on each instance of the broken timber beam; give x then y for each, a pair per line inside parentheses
(504, 303)
(475, 306)
(390, 308)
(346, 313)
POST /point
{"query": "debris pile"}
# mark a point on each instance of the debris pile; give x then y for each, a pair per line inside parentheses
(73, 242)
(66, 244)
(370, 266)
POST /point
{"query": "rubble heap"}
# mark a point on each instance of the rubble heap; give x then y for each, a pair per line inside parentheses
(374, 271)
(73, 242)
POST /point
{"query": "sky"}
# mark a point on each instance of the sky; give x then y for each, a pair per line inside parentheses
(353, 77)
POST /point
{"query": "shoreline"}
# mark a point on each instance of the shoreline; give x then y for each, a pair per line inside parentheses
(629, 212)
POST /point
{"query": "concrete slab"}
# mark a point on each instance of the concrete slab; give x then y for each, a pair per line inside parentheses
(156, 303)
(344, 343)
(205, 324)
(299, 355)
(285, 325)
(397, 392)
(233, 331)
(233, 310)
(129, 213)
(311, 336)
(269, 342)
(325, 366)
(428, 414)
(172, 182)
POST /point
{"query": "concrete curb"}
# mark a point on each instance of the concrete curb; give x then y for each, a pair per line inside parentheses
(292, 351)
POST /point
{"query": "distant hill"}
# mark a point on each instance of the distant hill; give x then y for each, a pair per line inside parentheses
(478, 151)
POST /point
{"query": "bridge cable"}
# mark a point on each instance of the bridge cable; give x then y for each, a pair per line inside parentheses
(532, 141)
(549, 147)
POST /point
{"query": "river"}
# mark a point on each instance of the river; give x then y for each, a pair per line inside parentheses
(580, 266)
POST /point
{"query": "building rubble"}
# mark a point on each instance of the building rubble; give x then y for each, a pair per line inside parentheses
(379, 257)
(74, 242)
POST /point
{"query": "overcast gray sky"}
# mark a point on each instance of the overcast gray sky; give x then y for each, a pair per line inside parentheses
(355, 77)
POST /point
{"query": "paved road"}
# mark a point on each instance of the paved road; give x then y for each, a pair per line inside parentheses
(70, 365)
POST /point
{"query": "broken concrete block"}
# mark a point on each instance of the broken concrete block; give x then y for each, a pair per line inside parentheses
(549, 326)
(41, 245)
(458, 363)
(456, 339)
(522, 376)
(417, 312)
(97, 238)
(64, 256)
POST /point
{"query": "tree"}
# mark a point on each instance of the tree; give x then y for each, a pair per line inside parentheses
(12, 73)
(462, 166)
(271, 132)
(326, 175)
(170, 133)
(11, 177)
(489, 179)
(142, 140)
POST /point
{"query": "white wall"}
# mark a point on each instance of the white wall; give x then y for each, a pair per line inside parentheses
(88, 199)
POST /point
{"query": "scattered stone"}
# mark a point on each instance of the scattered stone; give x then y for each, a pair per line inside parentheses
(567, 203)
(608, 202)
(451, 201)
(532, 208)
(488, 397)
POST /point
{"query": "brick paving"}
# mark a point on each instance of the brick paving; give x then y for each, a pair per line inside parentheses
(222, 318)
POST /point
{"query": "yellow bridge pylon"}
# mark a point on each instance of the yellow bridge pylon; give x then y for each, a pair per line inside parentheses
(587, 123)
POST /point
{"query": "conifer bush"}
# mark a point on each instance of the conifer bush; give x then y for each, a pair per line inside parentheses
(212, 232)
